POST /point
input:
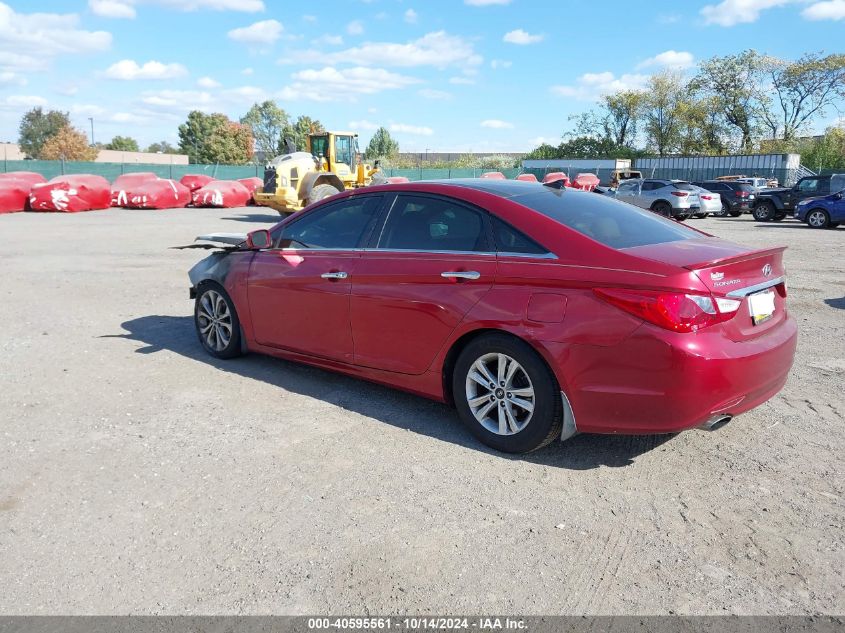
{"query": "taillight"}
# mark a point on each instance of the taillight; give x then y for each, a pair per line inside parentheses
(703, 197)
(741, 194)
(680, 194)
(675, 311)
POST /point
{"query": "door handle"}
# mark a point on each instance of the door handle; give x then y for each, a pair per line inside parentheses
(338, 275)
(469, 274)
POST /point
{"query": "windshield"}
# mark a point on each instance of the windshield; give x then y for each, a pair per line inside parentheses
(319, 145)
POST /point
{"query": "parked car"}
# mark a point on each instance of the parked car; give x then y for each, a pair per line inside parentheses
(822, 213)
(457, 291)
(710, 202)
(619, 175)
(756, 182)
(670, 198)
(775, 204)
(736, 197)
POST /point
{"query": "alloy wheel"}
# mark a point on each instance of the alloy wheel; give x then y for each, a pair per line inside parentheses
(816, 219)
(500, 394)
(214, 320)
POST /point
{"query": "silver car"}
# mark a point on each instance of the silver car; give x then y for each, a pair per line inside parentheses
(710, 202)
(670, 198)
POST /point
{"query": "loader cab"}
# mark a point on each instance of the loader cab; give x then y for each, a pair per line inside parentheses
(336, 151)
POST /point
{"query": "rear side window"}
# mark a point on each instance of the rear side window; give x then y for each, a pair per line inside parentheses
(684, 186)
(509, 240)
(421, 223)
(651, 186)
(610, 222)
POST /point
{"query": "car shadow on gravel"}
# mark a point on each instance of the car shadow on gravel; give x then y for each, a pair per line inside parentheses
(839, 303)
(262, 218)
(418, 415)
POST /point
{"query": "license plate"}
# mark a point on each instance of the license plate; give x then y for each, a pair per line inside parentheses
(762, 306)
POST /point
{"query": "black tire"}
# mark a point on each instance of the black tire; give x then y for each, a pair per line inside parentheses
(833, 225)
(779, 216)
(545, 421)
(662, 208)
(700, 216)
(321, 192)
(818, 219)
(735, 214)
(213, 340)
(723, 212)
(764, 211)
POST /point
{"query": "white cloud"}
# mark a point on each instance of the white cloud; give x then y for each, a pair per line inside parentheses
(248, 71)
(829, 10)
(411, 16)
(112, 9)
(485, 3)
(363, 125)
(128, 70)
(333, 84)
(179, 100)
(438, 49)
(309, 18)
(246, 6)
(356, 27)
(678, 60)
(13, 102)
(435, 95)
(8, 78)
(500, 63)
(29, 41)
(521, 37)
(208, 82)
(87, 110)
(461, 81)
(496, 124)
(731, 12)
(416, 130)
(591, 86)
(329, 40)
(263, 32)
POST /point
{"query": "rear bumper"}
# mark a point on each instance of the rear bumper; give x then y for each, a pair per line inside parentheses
(663, 382)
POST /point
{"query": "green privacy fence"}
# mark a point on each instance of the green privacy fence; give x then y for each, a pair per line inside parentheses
(110, 171)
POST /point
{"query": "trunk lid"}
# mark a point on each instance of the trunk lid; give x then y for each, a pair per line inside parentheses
(729, 270)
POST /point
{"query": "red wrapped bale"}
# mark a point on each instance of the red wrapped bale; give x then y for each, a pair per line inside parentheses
(70, 194)
(222, 193)
(29, 177)
(14, 195)
(494, 175)
(397, 180)
(127, 183)
(252, 184)
(195, 181)
(527, 177)
(555, 176)
(585, 182)
(159, 194)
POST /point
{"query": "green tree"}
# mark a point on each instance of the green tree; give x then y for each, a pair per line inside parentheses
(543, 152)
(621, 116)
(662, 109)
(298, 133)
(162, 147)
(799, 91)
(382, 145)
(268, 123)
(213, 138)
(37, 126)
(68, 144)
(123, 144)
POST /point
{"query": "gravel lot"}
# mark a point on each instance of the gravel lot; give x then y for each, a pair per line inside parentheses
(138, 475)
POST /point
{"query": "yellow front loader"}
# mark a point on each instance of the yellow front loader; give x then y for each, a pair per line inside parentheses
(331, 165)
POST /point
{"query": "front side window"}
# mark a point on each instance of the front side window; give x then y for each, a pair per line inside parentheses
(341, 225)
(808, 185)
(627, 188)
(433, 224)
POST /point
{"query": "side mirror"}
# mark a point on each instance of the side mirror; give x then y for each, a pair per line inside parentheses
(837, 196)
(258, 240)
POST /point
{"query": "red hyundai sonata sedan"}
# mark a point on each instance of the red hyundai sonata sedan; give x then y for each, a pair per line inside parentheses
(538, 312)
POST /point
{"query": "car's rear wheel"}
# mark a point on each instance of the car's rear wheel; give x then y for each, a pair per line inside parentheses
(662, 208)
(506, 395)
(700, 216)
(217, 322)
(763, 212)
(722, 212)
(818, 219)
(735, 214)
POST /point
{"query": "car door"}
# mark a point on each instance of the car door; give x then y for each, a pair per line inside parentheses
(628, 191)
(298, 292)
(809, 187)
(837, 209)
(430, 263)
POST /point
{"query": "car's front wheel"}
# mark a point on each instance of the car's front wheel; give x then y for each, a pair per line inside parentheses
(818, 219)
(506, 395)
(217, 322)
(763, 212)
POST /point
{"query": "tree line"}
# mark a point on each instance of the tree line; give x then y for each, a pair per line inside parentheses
(743, 103)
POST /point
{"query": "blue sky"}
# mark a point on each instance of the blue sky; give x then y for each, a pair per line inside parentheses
(457, 75)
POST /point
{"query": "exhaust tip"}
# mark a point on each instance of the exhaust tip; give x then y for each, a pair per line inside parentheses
(716, 422)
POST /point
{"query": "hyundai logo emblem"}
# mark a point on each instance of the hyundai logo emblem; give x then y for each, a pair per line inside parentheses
(767, 270)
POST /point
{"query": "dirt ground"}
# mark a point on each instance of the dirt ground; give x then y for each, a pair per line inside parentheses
(138, 475)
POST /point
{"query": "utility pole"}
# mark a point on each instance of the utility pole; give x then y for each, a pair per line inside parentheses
(90, 118)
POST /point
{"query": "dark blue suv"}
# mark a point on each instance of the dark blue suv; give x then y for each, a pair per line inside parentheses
(822, 213)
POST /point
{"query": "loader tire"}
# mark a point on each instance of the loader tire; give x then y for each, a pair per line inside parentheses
(320, 192)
